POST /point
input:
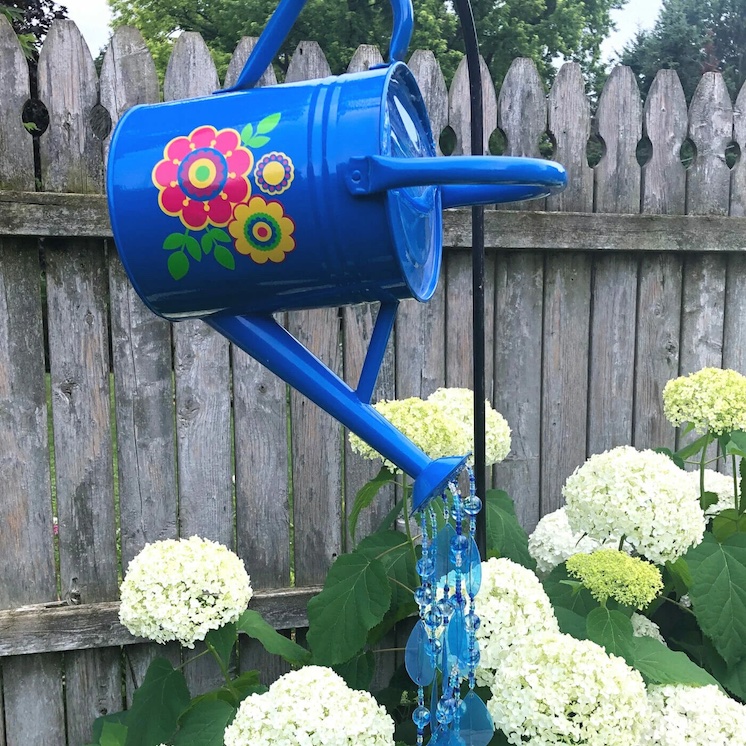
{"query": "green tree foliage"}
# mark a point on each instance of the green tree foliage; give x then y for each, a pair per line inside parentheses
(692, 37)
(541, 29)
(31, 20)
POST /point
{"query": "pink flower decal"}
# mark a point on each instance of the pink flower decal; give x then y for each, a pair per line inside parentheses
(203, 176)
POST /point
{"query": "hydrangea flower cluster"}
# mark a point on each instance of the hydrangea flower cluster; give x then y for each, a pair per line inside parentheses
(181, 589)
(553, 689)
(641, 495)
(712, 400)
(512, 606)
(553, 541)
(721, 485)
(693, 716)
(644, 627)
(609, 573)
(458, 405)
(310, 707)
(441, 425)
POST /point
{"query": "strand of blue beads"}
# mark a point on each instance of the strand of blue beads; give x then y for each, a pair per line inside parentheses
(442, 651)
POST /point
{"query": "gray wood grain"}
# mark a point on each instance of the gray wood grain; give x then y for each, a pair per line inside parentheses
(31, 706)
(459, 110)
(316, 436)
(659, 291)
(202, 384)
(614, 289)
(429, 76)
(569, 123)
(70, 151)
(238, 60)
(72, 160)
(738, 174)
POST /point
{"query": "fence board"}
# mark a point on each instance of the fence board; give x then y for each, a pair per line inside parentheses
(317, 438)
(659, 291)
(71, 160)
(614, 290)
(429, 76)
(238, 60)
(33, 699)
(459, 109)
(202, 384)
(143, 386)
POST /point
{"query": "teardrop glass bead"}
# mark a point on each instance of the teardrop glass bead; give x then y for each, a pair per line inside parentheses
(458, 643)
(476, 726)
(417, 659)
(473, 569)
(442, 552)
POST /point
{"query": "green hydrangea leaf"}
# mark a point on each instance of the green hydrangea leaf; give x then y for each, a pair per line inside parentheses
(157, 705)
(567, 596)
(253, 624)
(571, 623)
(204, 724)
(223, 640)
(708, 499)
(116, 718)
(734, 679)
(113, 734)
(358, 671)
(505, 536)
(694, 447)
(178, 264)
(612, 630)
(728, 522)
(365, 497)
(356, 595)
(396, 554)
(718, 592)
(660, 665)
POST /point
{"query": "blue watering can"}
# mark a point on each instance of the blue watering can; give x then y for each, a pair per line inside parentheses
(304, 195)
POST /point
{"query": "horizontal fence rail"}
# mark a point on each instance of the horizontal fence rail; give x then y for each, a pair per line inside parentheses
(118, 429)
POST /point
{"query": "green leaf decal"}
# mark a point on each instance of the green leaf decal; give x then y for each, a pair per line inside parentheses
(257, 141)
(268, 124)
(223, 640)
(612, 630)
(355, 598)
(178, 264)
(224, 257)
(192, 246)
(206, 243)
(505, 535)
(218, 235)
(358, 672)
(204, 724)
(659, 665)
(365, 496)
(247, 133)
(253, 624)
(157, 705)
(174, 241)
(718, 592)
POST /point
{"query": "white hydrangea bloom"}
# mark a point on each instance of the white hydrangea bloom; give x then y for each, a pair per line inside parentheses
(721, 484)
(511, 605)
(642, 495)
(694, 716)
(553, 541)
(644, 627)
(458, 405)
(181, 589)
(553, 689)
(310, 707)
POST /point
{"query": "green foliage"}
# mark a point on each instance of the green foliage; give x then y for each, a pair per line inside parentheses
(568, 594)
(358, 671)
(252, 623)
(613, 631)
(505, 536)
(660, 665)
(204, 724)
(692, 37)
(31, 20)
(366, 495)
(718, 593)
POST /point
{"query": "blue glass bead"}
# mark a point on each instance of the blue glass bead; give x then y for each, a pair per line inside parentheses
(432, 616)
(421, 717)
(445, 710)
(459, 548)
(423, 595)
(435, 646)
(446, 608)
(417, 660)
(472, 505)
(472, 622)
(476, 727)
(474, 657)
(425, 567)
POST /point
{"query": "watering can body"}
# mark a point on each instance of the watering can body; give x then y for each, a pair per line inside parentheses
(306, 195)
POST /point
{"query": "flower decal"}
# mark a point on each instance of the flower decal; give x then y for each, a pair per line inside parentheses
(274, 173)
(262, 230)
(203, 176)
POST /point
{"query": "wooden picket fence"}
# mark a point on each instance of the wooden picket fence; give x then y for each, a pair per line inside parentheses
(117, 429)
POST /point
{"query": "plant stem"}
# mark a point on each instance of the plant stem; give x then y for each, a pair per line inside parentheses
(405, 508)
(192, 659)
(223, 669)
(735, 480)
(702, 471)
(622, 539)
(387, 650)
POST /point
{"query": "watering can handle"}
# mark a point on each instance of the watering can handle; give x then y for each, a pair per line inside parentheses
(282, 20)
(379, 173)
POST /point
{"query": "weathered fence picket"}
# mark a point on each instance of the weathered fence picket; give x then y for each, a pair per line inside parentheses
(635, 275)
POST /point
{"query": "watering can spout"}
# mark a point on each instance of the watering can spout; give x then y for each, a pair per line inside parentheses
(273, 346)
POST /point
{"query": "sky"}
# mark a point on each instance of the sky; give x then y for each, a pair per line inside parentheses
(92, 17)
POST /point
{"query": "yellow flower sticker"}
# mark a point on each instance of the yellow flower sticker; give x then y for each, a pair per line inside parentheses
(262, 230)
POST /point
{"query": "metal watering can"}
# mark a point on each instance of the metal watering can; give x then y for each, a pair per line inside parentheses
(304, 195)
